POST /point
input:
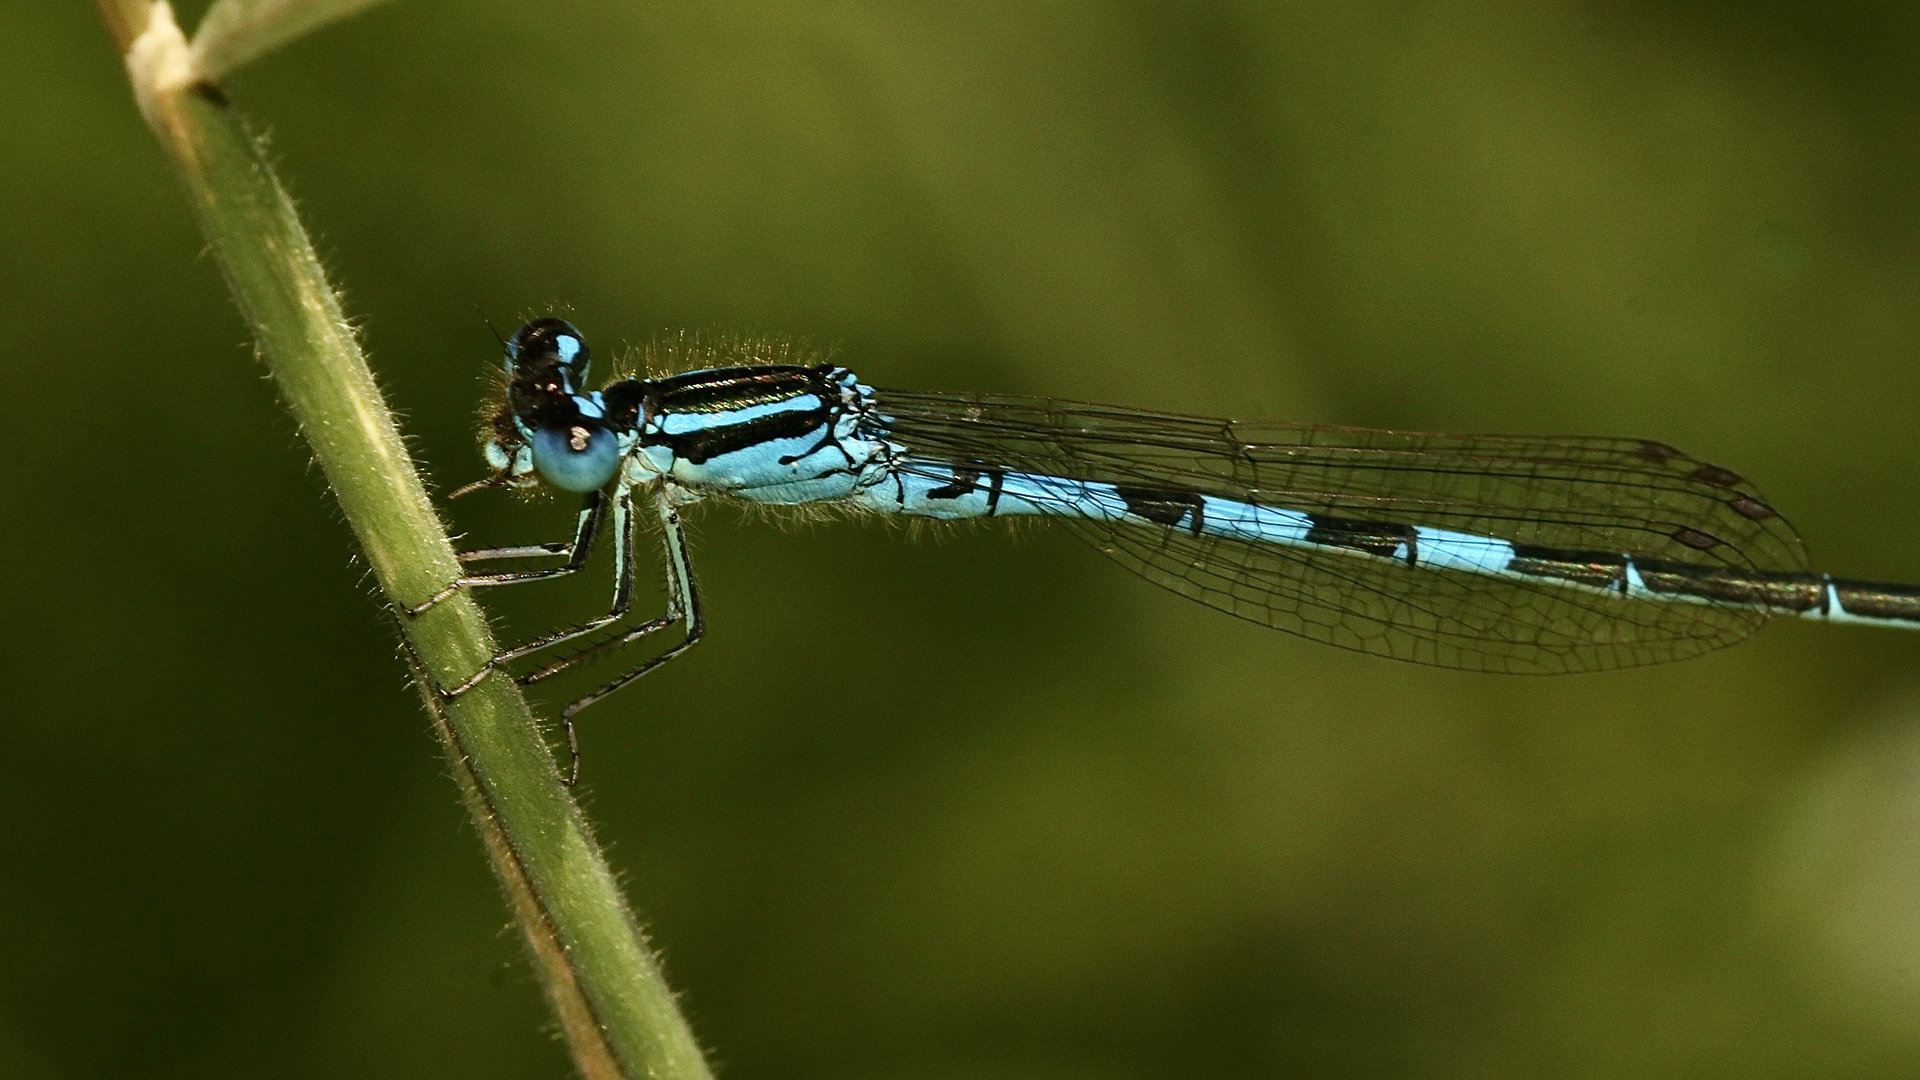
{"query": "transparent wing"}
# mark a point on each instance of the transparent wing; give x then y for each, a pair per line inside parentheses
(1571, 496)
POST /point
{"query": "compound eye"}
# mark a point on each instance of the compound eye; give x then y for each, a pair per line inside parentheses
(576, 457)
(550, 339)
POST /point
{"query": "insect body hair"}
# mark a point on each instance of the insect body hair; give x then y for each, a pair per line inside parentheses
(672, 352)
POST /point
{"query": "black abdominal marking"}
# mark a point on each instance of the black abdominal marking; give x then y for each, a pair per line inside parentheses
(964, 483)
(1382, 538)
(1165, 506)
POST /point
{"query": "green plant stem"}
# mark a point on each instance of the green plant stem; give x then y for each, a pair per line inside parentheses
(619, 1017)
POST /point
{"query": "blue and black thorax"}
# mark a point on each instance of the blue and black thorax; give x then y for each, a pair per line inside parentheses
(575, 439)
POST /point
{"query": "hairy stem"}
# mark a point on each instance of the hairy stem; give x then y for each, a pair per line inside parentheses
(619, 1017)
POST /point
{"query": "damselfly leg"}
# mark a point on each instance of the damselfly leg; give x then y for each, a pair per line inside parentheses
(623, 570)
(592, 513)
(683, 601)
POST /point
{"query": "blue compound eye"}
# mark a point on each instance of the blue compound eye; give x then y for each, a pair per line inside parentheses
(576, 457)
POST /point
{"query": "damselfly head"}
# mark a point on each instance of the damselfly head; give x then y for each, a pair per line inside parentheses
(551, 412)
(546, 369)
(549, 341)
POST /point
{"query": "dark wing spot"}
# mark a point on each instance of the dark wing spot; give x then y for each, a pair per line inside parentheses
(1694, 538)
(1717, 476)
(1751, 508)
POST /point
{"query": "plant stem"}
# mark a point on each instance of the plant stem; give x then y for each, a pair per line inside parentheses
(619, 1017)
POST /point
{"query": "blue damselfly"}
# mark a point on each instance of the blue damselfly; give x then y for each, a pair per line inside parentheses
(1520, 554)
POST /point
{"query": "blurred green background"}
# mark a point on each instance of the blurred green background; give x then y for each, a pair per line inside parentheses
(984, 806)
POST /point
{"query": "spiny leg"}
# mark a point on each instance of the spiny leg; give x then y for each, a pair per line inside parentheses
(622, 637)
(623, 573)
(683, 598)
(592, 512)
(622, 600)
(524, 551)
(623, 570)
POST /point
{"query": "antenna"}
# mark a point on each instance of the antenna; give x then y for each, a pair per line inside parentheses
(490, 327)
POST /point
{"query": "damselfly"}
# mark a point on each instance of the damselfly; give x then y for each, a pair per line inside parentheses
(1533, 555)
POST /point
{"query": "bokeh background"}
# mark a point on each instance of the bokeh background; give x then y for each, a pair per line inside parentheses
(983, 806)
